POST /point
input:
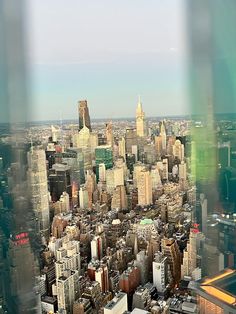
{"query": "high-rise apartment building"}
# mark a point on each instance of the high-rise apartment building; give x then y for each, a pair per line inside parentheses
(84, 117)
(67, 290)
(97, 248)
(37, 175)
(101, 276)
(160, 272)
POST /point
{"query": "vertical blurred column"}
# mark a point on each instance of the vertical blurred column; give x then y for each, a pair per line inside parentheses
(211, 38)
(19, 265)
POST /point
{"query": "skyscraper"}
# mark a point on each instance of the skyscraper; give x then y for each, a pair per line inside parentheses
(140, 120)
(171, 250)
(160, 272)
(103, 155)
(109, 134)
(163, 136)
(84, 115)
(37, 175)
(144, 188)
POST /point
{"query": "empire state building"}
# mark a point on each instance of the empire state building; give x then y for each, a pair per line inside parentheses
(140, 120)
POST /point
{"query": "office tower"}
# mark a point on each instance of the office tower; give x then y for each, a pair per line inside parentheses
(142, 262)
(37, 175)
(171, 250)
(109, 134)
(101, 276)
(121, 147)
(170, 144)
(178, 150)
(83, 197)
(141, 300)
(144, 184)
(216, 294)
(114, 177)
(163, 137)
(137, 168)
(160, 272)
(130, 139)
(156, 179)
(118, 304)
(97, 248)
(74, 158)
(59, 181)
(84, 140)
(103, 155)
(140, 120)
(84, 118)
(158, 145)
(67, 290)
(119, 198)
(189, 263)
(150, 153)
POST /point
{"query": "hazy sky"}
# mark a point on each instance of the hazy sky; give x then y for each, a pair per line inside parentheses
(108, 52)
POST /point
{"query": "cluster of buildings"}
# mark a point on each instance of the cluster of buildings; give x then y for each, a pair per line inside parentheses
(115, 215)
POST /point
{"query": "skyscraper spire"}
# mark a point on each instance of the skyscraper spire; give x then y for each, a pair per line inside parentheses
(140, 119)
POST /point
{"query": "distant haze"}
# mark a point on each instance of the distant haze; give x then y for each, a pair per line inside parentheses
(107, 52)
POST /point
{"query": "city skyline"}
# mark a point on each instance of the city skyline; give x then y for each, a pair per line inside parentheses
(111, 63)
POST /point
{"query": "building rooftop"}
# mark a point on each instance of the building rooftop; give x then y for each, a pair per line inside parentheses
(115, 300)
(221, 286)
(146, 221)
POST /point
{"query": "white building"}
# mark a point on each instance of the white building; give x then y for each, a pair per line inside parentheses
(160, 272)
(118, 305)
